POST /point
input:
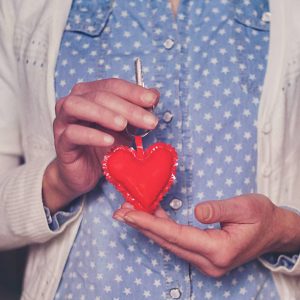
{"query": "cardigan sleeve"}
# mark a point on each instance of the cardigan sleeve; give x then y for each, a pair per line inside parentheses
(22, 216)
(10, 142)
(286, 263)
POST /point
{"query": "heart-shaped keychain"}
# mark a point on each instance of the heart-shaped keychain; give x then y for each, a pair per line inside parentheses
(143, 177)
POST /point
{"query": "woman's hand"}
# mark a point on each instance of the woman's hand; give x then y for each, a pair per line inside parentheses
(89, 121)
(251, 225)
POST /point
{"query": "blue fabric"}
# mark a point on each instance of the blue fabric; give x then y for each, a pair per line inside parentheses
(278, 259)
(209, 66)
(59, 218)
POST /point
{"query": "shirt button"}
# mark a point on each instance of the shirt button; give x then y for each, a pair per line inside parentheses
(168, 116)
(169, 43)
(176, 203)
(267, 128)
(266, 17)
(175, 293)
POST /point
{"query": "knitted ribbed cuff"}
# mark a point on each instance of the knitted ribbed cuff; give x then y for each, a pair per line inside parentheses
(22, 191)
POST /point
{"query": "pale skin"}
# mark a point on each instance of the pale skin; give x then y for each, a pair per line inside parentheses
(91, 120)
(251, 225)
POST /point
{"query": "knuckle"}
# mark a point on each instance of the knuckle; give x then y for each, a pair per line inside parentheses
(110, 83)
(221, 209)
(69, 104)
(78, 88)
(248, 203)
(134, 113)
(263, 204)
(224, 260)
(130, 110)
(216, 272)
(68, 132)
(58, 128)
(58, 106)
(251, 207)
(210, 270)
(218, 209)
(99, 96)
(55, 125)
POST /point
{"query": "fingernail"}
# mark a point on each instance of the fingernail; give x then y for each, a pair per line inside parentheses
(108, 139)
(206, 212)
(118, 217)
(150, 120)
(129, 219)
(120, 121)
(148, 98)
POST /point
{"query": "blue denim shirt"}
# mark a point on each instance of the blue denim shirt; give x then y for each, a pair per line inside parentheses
(209, 65)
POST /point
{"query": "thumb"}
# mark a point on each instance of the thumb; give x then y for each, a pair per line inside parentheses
(218, 211)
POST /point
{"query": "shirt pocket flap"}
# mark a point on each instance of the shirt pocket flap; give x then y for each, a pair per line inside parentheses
(89, 18)
(253, 14)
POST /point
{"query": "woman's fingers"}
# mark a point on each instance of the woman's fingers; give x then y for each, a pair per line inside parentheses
(199, 261)
(106, 110)
(134, 114)
(131, 92)
(195, 258)
(109, 104)
(187, 237)
(77, 108)
(160, 213)
(75, 135)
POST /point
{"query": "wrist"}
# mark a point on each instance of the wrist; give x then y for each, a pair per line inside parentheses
(288, 224)
(55, 194)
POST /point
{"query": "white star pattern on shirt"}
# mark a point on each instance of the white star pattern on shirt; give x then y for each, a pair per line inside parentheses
(210, 81)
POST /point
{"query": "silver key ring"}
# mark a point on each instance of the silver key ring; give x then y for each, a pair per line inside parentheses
(139, 81)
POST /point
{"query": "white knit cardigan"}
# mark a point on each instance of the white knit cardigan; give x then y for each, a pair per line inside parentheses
(30, 33)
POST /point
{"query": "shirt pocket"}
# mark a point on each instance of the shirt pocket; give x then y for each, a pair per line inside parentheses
(89, 17)
(251, 42)
(255, 15)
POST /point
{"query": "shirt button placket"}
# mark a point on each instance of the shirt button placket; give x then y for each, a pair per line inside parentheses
(175, 204)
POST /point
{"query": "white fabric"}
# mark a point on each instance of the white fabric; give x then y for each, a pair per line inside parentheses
(30, 37)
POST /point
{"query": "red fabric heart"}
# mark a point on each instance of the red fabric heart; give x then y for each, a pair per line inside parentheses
(143, 178)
